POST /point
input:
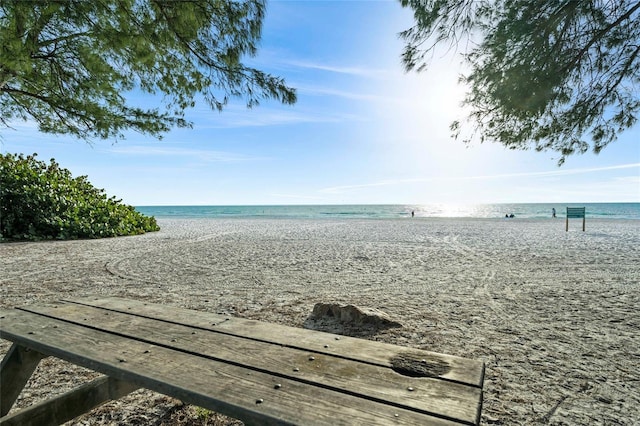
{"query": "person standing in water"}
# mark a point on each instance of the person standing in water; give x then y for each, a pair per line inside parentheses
(553, 212)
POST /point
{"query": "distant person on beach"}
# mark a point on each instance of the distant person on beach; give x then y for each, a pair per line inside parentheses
(413, 213)
(553, 212)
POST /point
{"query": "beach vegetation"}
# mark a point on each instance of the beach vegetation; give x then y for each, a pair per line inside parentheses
(557, 75)
(76, 67)
(40, 201)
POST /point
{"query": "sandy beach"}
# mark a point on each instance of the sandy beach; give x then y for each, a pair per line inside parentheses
(553, 314)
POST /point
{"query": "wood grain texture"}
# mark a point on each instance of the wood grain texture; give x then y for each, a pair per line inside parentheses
(245, 369)
(70, 405)
(373, 382)
(463, 370)
(16, 369)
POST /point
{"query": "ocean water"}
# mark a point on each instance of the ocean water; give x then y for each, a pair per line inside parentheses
(390, 211)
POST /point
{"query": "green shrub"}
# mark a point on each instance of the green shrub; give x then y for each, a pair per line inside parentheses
(40, 201)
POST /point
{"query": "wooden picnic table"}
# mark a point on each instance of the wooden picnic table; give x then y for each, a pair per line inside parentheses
(257, 372)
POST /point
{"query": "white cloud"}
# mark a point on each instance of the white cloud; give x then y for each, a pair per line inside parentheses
(237, 117)
(324, 91)
(167, 151)
(346, 188)
(560, 172)
(340, 69)
(295, 197)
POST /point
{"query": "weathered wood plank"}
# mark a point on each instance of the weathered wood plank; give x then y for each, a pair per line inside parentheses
(461, 370)
(252, 396)
(427, 394)
(70, 404)
(17, 367)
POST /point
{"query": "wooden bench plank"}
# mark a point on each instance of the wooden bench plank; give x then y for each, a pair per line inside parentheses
(15, 370)
(248, 395)
(432, 395)
(71, 404)
(461, 370)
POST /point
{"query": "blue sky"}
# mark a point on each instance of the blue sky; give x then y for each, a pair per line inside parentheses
(362, 132)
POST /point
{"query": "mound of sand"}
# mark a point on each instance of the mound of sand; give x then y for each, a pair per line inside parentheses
(349, 320)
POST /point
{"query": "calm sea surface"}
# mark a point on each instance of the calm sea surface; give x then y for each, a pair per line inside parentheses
(390, 211)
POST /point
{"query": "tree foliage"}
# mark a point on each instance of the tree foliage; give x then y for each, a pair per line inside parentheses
(40, 201)
(70, 64)
(557, 75)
